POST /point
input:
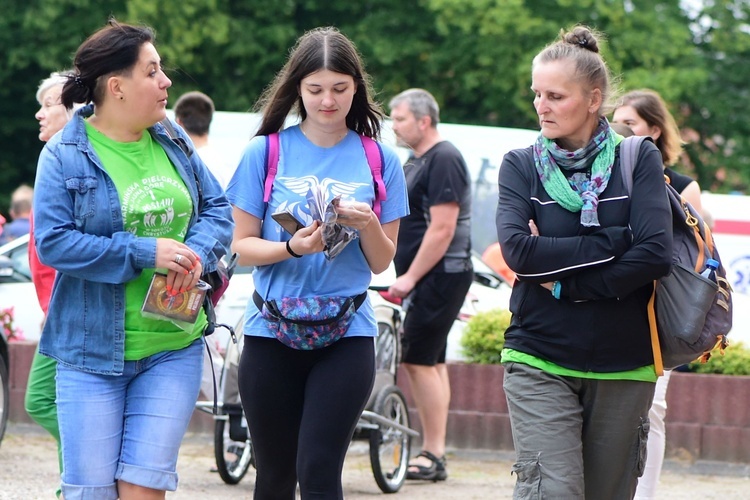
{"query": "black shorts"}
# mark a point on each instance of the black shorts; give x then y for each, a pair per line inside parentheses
(435, 304)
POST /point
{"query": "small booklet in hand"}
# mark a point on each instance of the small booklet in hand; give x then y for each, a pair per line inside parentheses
(181, 309)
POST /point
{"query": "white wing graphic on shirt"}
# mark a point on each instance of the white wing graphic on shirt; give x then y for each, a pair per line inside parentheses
(336, 188)
(333, 187)
(300, 185)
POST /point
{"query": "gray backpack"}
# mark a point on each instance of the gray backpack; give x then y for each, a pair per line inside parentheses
(690, 313)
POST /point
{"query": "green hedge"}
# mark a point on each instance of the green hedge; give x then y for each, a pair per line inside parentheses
(734, 361)
(484, 336)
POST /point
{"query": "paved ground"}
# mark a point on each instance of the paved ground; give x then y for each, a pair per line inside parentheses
(28, 471)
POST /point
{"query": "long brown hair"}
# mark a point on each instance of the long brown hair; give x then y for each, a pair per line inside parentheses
(321, 48)
(651, 107)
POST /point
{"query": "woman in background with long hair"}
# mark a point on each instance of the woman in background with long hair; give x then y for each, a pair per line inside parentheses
(646, 113)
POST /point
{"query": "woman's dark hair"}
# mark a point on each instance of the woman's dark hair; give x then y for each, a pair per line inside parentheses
(651, 107)
(318, 49)
(580, 46)
(112, 50)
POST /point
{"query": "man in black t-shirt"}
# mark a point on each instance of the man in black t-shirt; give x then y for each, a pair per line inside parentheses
(433, 264)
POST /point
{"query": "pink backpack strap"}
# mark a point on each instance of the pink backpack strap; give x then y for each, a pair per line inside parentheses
(375, 161)
(272, 163)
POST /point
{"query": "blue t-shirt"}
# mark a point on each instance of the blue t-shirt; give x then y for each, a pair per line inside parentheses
(341, 169)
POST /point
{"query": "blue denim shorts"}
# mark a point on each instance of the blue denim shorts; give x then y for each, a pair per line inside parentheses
(126, 427)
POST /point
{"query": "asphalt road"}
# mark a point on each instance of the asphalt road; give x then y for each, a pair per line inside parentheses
(28, 471)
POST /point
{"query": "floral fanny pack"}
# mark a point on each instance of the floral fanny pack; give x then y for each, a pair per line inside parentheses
(307, 323)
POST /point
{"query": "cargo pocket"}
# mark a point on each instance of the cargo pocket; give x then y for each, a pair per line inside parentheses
(528, 477)
(642, 451)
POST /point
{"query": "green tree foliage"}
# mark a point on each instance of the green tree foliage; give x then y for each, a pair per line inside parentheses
(489, 45)
(229, 50)
(717, 108)
(475, 56)
(485, 59)
(36, 38)
(234, 49)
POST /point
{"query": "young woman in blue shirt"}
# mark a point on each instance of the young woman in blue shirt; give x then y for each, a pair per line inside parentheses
(302, 405)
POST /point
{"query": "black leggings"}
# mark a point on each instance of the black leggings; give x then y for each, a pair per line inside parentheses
(302, 408)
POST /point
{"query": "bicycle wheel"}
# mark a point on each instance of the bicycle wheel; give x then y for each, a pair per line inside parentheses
(389, 447)
(233, 458)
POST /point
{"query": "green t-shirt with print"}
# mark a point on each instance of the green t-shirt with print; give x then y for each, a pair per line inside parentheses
(155, 203)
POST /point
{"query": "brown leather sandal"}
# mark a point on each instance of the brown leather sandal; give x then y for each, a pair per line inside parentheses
(435, 472)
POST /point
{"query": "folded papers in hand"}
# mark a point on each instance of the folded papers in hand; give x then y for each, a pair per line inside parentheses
(335, 235)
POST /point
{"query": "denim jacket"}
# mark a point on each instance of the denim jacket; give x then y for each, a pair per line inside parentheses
(79, 231)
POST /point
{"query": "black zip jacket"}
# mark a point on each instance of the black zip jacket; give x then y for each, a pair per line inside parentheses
(600, 323)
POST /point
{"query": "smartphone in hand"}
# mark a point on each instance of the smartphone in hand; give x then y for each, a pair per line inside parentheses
(288, 221)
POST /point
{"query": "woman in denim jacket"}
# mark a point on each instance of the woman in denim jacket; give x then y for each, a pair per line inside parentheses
(119, 200)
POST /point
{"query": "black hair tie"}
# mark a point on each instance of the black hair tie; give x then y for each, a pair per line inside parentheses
(291, 252)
